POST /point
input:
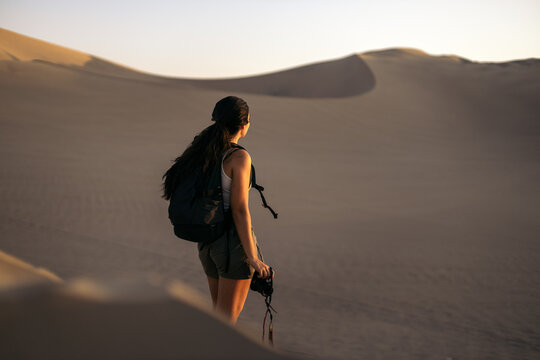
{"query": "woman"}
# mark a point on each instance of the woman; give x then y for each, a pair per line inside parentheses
(228, 282)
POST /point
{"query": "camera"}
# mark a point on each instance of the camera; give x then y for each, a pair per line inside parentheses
(263, 286)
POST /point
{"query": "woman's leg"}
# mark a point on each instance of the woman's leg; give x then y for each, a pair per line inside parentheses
(213, 285)
(232, 294)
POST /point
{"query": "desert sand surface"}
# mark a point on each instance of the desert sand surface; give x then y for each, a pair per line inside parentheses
(106, 318)
(408, 195)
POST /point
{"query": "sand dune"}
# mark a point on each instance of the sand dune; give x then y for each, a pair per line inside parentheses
(348, 76)
(89, 318)
(408, 212)
(337, 78)
(20, 48)
(14, 272)
(411, 53)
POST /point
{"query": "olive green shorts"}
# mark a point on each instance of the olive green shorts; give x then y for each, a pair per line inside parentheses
(213, 257)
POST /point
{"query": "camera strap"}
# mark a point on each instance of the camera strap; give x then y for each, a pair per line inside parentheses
(268, 301)
(269, 309)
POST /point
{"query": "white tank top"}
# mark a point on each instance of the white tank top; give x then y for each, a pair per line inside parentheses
(226, 185)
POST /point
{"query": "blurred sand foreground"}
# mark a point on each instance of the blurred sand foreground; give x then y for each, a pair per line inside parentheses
(406, 186)
(86, 318)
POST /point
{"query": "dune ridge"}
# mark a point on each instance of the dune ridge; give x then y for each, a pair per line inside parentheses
(344, 77)
(106, 318)
(14, 271)
(337, 78)
(20, 48)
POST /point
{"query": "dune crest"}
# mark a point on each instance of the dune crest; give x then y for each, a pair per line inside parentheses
(409, 53)
(399, 52)
(343, 77)
(20, 48)
(14, 271)
(113, 318)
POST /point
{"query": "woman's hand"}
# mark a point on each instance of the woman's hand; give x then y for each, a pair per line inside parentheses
(260, 267)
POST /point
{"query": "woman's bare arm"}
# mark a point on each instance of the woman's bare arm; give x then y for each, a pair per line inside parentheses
(241, 172)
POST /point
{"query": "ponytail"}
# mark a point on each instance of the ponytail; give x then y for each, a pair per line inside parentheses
(208, 146)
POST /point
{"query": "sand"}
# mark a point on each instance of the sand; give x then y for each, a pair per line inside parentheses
(407, 199)
(106, 318)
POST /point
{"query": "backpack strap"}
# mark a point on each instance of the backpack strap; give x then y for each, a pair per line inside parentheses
(260, 189)
(229, 153)
(254, 184)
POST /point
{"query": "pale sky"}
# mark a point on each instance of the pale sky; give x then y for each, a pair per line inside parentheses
(244, 37)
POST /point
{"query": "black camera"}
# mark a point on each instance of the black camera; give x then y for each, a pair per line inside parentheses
(263, 286)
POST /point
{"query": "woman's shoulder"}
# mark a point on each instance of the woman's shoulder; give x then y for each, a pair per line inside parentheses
(240, 158)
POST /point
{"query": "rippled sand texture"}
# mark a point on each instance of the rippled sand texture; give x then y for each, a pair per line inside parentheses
(407, 191)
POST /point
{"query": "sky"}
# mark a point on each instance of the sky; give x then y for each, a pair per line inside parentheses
(220, 39)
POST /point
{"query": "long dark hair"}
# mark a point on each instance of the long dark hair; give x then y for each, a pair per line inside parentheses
(206, 149)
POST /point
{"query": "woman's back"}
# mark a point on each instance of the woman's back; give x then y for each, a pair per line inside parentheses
(226, 176)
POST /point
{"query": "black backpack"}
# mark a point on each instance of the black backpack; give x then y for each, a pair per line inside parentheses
(196, 207)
